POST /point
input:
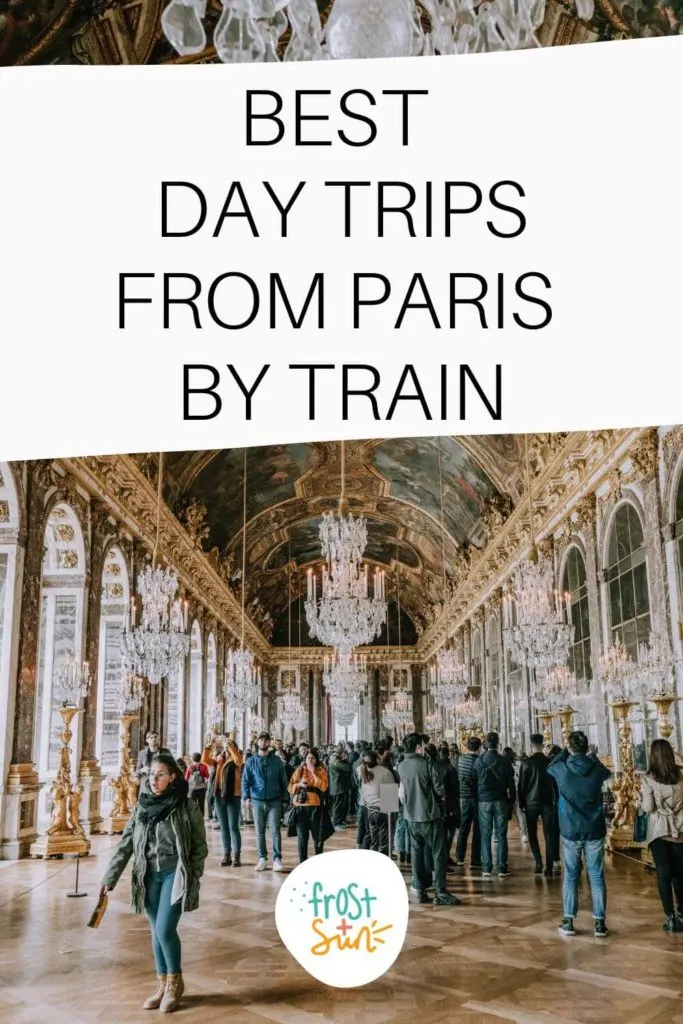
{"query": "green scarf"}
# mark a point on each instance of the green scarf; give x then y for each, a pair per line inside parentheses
(153, 809)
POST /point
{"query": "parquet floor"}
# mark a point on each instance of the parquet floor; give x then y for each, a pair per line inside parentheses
(496, 958)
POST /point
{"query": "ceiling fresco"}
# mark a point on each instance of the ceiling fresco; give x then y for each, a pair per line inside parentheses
(412, 465)
(393, 483)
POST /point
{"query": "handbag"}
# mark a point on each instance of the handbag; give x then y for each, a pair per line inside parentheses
(290, 816)
(640, 827)
(98, 912)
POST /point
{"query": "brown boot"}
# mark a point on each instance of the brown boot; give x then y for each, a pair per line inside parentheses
(174, 990)
(154, 1001)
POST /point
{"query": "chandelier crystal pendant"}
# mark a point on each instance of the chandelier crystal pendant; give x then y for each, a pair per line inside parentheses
(469, 713)
(541, 636)
(156, 647)
(449, 680)
(557, 687)
(242, 683)
(345, 675)
(347, 615)
(656, 667)
(251, 30)
(131, 693)
(213, 716)
(398, 712)
(619, 673)
(72, 681)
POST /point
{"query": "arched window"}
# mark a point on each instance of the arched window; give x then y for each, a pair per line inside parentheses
(115, 602)
(9, 587)
(175, 703)
(61, 631)
(493, 645)
(196, 737)
(476, 660)
(678, 529)
(626, 576)
(210, 670)
(574, 583)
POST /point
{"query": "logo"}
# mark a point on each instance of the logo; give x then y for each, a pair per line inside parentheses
(343, 916)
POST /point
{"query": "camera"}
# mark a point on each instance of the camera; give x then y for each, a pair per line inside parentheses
(302, 795)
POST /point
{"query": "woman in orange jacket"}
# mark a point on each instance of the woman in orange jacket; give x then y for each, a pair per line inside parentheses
(309, 815)
(227, 799)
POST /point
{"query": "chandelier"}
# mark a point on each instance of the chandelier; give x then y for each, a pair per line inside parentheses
(655, 669)
(469, 713)
(347, 615)
(242, 684)
(541, 637)
(344, 709)
(253, 31)
(213, 716)
(131, 693)
(398, 712)
(257, 724)
(557, 687)
(433, 722)
(156, 647)
(619, 673)
(344, 675)
(72, 681)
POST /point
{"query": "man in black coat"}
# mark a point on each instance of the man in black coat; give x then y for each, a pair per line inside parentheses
(145, 758)
(496, 794)
(536, 796)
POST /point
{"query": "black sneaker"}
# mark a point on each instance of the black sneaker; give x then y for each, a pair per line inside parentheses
(422, 897)
(671, 924)
(600, 929)
(503, 873)
(538, 870)
(548, 873)
(446, 899)
(567, 927)
(227, 861)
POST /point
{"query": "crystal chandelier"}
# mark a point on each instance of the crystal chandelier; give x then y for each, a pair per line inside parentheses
(656, 666)
(346, 616)
(469, 713)
(433, 722)
(213, 716)
(242, 684)
(557, 687)
(398, 712)
(257, 724)
(72, 681)
(345, 675)
(541, 637)
(131, 693)
(156, 647)
(292, 713)
(253, 31)
(618, 673)
(344, 709)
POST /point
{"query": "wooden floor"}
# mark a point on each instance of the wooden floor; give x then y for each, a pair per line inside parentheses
(498, 957)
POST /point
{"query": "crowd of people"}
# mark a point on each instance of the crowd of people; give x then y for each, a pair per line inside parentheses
(450, 803)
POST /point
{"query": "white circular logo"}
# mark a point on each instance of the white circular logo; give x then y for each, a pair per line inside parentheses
(343, 916)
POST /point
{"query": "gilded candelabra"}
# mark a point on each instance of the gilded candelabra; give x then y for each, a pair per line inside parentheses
(626, 786)
(566, 717)
(64, 834)
(125, 785)
(664, 702)
(546, 720)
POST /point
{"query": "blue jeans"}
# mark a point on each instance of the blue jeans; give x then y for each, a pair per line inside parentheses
(593, 850)
(493, 816)
(228, 815)
(268, 811)
(163, 919)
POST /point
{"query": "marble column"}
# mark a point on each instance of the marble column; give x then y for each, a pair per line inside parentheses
(586, 523)
(23, 783)
(90, 777)
(416, 684)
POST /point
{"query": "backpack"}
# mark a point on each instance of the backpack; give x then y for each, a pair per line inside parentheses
(197, 781)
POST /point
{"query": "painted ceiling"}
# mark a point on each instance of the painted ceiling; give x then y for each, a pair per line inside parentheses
(396, 484)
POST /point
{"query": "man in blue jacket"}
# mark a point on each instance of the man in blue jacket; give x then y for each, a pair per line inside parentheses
(580, 777)
(264, 786)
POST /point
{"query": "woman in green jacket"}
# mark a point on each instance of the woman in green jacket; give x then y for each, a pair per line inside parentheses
(165, 836)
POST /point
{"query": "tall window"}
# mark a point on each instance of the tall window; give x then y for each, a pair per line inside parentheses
(210, 670)
(494, 675)
(626, 575)
(196, 735)
(678, 531)
(61, 631)
(115, 599)
(574, 584)
(516, 701)
(476, 660)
